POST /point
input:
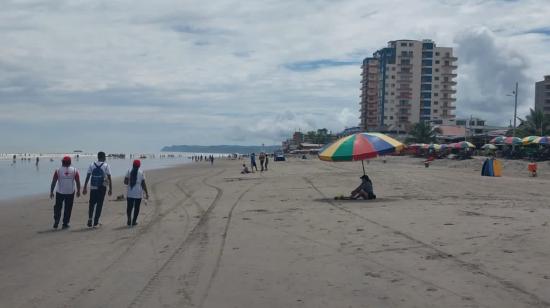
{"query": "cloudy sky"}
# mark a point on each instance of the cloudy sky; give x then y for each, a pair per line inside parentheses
(137, 75)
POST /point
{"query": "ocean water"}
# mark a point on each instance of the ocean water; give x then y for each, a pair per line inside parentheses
(24, 177)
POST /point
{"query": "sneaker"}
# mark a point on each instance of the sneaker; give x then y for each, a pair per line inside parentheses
(96, 224)
(65, 226)
(134, 223)
(89, 223)
(55, 225)
(129, 223)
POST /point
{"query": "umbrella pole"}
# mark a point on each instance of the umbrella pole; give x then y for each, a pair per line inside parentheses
(362, 163)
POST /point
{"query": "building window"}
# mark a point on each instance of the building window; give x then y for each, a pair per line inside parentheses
(428, 46)
(392, 76)
(391, 117)
(436, 78)
(436, 103)
(426, 87)
(447, 54)
(446, 62)
(410, 44)
(426, 95)
(435, 110)
(436, 86)
(403, 44)
(425, 112)
(437, 53)
(436, 94)
(427, 71)
(427, 54)
(436, 61)
(426, 103)
(437, 70)
(426, 62)
(445, 95)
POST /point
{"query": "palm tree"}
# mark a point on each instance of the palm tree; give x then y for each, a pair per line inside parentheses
(535, 123)
(422, 132)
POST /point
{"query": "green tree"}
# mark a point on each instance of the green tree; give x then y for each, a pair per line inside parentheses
(422, 132)
(534, 124)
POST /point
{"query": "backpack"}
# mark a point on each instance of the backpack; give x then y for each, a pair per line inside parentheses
(98, 176)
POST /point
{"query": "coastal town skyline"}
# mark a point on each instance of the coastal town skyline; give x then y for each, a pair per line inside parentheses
(139, 76)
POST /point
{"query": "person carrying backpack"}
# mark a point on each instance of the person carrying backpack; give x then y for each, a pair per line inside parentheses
(135, 179)
(99, 175)
(64, 178)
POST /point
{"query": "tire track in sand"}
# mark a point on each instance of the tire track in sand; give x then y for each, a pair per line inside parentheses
(192, 235)
(222, 245)
(158, 215)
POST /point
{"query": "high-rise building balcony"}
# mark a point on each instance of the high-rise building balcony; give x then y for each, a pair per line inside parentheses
(447, 99)
(449, 107)
(452, 91)
(405, 73)
(449, 82)
(449, 58)
(405, 65)
(449, 66)
(449, 74)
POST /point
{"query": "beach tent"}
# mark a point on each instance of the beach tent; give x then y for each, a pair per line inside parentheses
(491, 167)
(360, 146)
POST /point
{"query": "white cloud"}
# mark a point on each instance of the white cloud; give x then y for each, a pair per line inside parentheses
(206, 66)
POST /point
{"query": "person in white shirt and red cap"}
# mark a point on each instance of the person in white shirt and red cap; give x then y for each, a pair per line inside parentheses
(135, 179)
(64, 178)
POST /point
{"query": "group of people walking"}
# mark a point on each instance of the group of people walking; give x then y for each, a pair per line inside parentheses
(67, 181)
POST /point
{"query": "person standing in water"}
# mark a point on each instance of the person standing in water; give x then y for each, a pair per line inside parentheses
(135, 179)
(64, 178)
(100, 174)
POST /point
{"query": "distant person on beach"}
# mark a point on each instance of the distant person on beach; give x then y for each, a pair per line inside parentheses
(211, 159)
(364, 190)
(37, 160)
(253, 162)
(262, 160)
(245, 169)
(135, 179)
(266, 161)
(100, 174)
(64, 178)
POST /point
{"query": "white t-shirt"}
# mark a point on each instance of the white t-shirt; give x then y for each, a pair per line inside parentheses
(106, 170)
(65, 180)
(135, 192)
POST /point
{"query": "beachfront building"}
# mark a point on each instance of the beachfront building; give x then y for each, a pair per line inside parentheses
(407, 82)
(542, 95)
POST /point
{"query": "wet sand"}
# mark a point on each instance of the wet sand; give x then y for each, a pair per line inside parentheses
(210, 237)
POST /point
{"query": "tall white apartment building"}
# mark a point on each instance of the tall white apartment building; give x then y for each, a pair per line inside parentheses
(407, 82)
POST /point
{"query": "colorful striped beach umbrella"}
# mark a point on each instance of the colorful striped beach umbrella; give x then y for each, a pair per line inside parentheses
(536, 140)
(462, 145)
(360, 146)
(506, 140)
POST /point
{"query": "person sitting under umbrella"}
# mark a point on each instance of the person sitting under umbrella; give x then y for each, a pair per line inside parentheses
(364, 190)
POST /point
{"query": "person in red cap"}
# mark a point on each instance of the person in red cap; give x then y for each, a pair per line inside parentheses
(64, 178)
(135, 179)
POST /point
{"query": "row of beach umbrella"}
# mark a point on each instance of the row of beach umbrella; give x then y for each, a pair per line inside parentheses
(519, 141)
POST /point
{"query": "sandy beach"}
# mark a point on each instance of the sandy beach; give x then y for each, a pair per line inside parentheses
(210, 237)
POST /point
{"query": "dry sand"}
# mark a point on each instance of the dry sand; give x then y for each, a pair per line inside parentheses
(209, 237)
